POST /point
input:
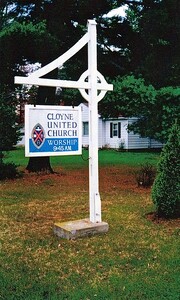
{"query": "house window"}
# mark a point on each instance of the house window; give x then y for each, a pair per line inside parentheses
(85, 128)
(115, 129)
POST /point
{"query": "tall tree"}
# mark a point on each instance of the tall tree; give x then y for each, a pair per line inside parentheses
(151, 51)
(156, 46)
(39, 31)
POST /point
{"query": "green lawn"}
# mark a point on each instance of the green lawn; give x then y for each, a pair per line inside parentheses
(106, 157)
(136, 259)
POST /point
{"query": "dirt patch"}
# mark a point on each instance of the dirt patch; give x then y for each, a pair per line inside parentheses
(174, 222)
(112, 180)
(122, 178)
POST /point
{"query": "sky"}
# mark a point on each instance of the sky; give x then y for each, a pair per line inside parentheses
(118, 11)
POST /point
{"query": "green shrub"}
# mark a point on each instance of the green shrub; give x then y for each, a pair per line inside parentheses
(166, 187)
(10, 131)
(145, 175)
(8, 171)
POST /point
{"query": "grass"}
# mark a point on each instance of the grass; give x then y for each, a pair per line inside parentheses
(136, 259)
(106, 157)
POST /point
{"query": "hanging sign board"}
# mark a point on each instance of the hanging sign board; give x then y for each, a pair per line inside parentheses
(52, 130)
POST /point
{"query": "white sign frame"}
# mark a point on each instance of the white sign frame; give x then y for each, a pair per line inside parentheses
(60, 127)
(93, 82)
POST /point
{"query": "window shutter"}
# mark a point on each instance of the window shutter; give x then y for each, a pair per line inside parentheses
(111, 130)
(119, 130)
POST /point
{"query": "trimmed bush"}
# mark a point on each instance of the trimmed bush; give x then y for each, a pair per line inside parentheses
(166, 187)
(8, 171)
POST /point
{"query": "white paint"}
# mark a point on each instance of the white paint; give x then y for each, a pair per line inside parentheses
(97, 87)
(95, 202)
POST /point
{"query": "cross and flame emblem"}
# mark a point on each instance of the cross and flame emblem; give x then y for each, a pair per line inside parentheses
(38, 135)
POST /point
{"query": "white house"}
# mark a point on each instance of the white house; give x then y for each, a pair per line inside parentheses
(113, 133)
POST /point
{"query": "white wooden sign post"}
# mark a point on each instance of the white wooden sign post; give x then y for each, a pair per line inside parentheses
(92, 86)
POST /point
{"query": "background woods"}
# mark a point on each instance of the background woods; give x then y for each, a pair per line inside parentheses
(139, 53)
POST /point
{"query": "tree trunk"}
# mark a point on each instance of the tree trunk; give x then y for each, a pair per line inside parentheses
(39, 164)
(46, 96)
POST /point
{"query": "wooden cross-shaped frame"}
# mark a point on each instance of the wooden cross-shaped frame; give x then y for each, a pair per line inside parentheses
(96, 85)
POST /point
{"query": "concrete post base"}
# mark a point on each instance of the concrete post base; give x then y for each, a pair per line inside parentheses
(80, 228)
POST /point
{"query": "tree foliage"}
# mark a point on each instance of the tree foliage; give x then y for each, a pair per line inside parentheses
(154, 48)
(130, 97)
(159, 118)
(20, 44)
(166, 188)
(156, 109)
(9, 133)
(40, 31)
(53, 26)
(146, 43)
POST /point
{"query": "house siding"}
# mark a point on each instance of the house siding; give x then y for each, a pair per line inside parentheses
(128, 140)
(85, 118)
(100, 133)
(155, 144)
(115, 142)
(135, 141)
